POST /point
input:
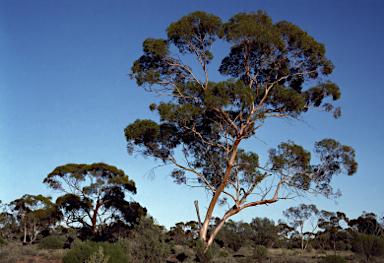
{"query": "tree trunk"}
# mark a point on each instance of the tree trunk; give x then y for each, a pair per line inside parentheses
(25, 233)
(219, 190)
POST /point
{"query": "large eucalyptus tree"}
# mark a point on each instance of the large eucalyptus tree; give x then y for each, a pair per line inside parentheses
(94, 195)
(271, 67)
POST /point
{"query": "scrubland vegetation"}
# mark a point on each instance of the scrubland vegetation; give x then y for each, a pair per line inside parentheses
(261, 240)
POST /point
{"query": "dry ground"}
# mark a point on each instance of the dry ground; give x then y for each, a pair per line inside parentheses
(17, 253)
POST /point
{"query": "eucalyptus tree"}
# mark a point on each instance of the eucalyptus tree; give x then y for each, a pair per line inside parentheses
(367, 223)
(94, 195)
(35, 213)
(298, 215)
(274, 70)
(264, 231)
(9, 227)
(334, 225)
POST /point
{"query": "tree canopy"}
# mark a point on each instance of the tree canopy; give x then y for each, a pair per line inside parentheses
(274, 70)
(35, 214)
(94, 195)
(298, 215)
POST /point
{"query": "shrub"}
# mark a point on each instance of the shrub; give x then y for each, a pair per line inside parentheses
(368, 246)
(340, 245)
(203, 254)
(28, 251)
(75, 242)
(84, 251)
(260, 252)
(5, 253)
(51, 242)
(2, 242)
(334, 259)
(125, 245)
(223, 254)
(98, 257)
(148, 244)
(309, 248)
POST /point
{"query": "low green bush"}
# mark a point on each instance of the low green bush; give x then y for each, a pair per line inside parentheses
(28, 251)
(340, 245)
(334, 259)
(125, 245)
(98, 257)
(148, 243)
(369, 246)
(84, 251)
(260, 252)
(203, 254)
(75, 242)
(5, 253)
(223, 254)
(51, 242)
(309, 248)
(2, 242)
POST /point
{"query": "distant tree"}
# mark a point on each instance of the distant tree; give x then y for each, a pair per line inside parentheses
(276, 70)
(230, 235)
(286, 231)
(332, 223)
(264, 231)
(367, 223)
(35, 213)
(94, 195)
(183, 232)
(297, 216)
(9, 227)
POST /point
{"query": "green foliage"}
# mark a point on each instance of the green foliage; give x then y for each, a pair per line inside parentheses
(340, 245)
(125, 245)
(2, 242)
(334, 259)
(36, 213)
(369, 246)
(28, 251)
(260, 252)
(51, 242)
(148, 245)
(98, 257)
(264, 230)
(105, 190)
(83, 252)
(76, 242)
(297, 216)
(204, 254)
(367, 224)
(232, 235)
(270, 67)
(223, 254)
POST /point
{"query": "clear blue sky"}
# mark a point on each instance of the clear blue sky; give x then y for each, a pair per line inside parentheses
(65, 96)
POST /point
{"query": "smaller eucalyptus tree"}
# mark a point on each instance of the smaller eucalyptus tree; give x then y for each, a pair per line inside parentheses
(35, 213)
(297, 216)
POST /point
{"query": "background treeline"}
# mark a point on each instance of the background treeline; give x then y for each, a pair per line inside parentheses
(133, 236)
